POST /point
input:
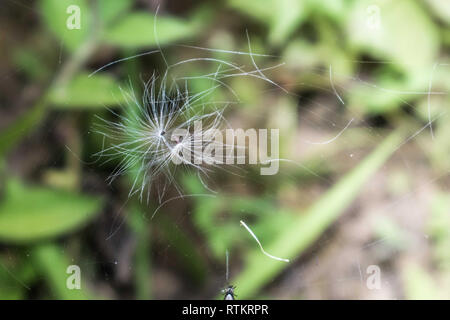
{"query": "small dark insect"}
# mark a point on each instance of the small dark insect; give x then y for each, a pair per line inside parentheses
(229, 293)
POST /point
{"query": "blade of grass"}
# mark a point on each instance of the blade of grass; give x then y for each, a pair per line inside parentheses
(309, 226)
(53, 265)
(142, 258)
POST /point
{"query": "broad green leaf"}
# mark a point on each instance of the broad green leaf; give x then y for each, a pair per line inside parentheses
(55, 17)
(399, 31)
(261, 10)
(288, 16)
(310, 225)
(137, 30)
(30, 213)
(111, 10)
(86, 92)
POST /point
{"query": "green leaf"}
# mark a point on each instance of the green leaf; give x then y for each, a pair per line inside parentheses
(261, 10)
(379, 28)
(30, 213)
(84, 92)
(55, 17)
(288, 16)
(309, 226)
(137, 30)
(111, 10)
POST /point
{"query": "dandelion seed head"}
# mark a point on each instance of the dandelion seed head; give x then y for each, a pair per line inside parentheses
(153, 135)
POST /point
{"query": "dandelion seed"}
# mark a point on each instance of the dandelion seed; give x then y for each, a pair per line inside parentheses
(335, 137)
(334, 89)
(157, 133)
(260, 245)
(428, 99)
(121, 60)
(226, 261)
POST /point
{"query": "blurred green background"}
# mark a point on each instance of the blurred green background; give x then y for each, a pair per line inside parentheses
(377, 195)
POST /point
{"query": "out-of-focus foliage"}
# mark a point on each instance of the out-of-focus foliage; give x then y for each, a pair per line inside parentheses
(78, 93)
(372, 62)
(28, 214)
(137, 30)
